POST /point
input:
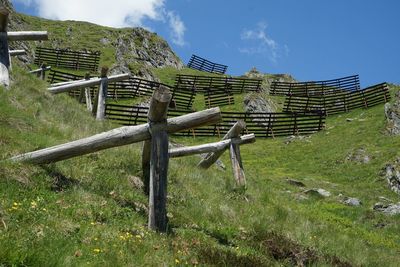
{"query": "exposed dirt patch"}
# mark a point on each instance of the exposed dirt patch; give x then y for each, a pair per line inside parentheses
(284, 249)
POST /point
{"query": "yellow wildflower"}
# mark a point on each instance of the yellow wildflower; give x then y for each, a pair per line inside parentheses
(96, 250)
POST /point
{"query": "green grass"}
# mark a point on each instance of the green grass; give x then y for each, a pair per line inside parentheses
(87, 211)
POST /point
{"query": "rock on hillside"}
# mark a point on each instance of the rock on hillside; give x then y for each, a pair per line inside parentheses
(392, 112)
(268, 78)
(128, 50)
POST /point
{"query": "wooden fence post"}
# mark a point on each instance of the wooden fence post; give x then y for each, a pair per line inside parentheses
(42, 73)
(88, 95)
(210, 158)
(159, 159)
(237, 165)
(102, 95)
(4, 50)
(158, 100)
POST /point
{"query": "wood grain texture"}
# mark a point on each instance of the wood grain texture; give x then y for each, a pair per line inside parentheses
(82, 84)
(211, 158)
(117, 137)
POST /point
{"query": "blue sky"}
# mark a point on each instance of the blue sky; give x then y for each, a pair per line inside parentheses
(310, 39)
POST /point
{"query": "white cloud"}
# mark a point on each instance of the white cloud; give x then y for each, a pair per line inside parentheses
(258, 42)
(116, 13)
(178, 28)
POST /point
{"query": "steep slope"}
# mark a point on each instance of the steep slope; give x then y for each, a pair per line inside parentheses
(91, 210)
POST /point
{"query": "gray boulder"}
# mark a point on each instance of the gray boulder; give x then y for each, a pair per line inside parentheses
(390, 209)
(318, 192)
(352, 201)
(359, 156)
(392, 175)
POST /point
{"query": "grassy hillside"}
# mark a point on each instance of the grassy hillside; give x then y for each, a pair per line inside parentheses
(135, 49)
(91, 210)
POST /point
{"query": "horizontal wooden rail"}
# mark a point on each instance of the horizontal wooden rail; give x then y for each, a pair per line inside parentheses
(28, 36)
(211, 147)
(117, 137)
(83, 84)
(40, 70)
(17, 52)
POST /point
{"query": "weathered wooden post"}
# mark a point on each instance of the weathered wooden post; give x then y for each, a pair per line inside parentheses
(146, 166)
(211, 158)
(158, 93)
(102, 95)
(234, 152)
(159, 159)
(42, 72)
(4, 50)
(88, 95)
(237, 165)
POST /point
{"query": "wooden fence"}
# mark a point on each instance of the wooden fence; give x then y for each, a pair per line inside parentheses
(336, 86)
(205, 83)
(339, 102)
(182, 99)
(218, 98)
(132, 88)
(69, 59)
(202, 64)
(261, 124)
(56, 76)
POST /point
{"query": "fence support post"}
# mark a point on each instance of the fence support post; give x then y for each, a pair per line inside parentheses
(4, 51)
(210, 158)
(42, 72)
(102, 95)
(237, 165)
(159, 159)
(88, 95)
(157, 101)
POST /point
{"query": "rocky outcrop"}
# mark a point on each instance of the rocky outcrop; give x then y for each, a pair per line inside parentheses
(139, 50)
(389, 209)
(318, 192)
(254, 103)
(392, 175)
(359, 156)
(352, 201)
(268, 78)
(392, 113)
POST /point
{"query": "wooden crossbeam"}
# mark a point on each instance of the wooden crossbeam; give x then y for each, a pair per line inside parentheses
(17, 52)
(117, 137)
(28, 36)
(82, 84)
(211, 147)
(211, 158)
